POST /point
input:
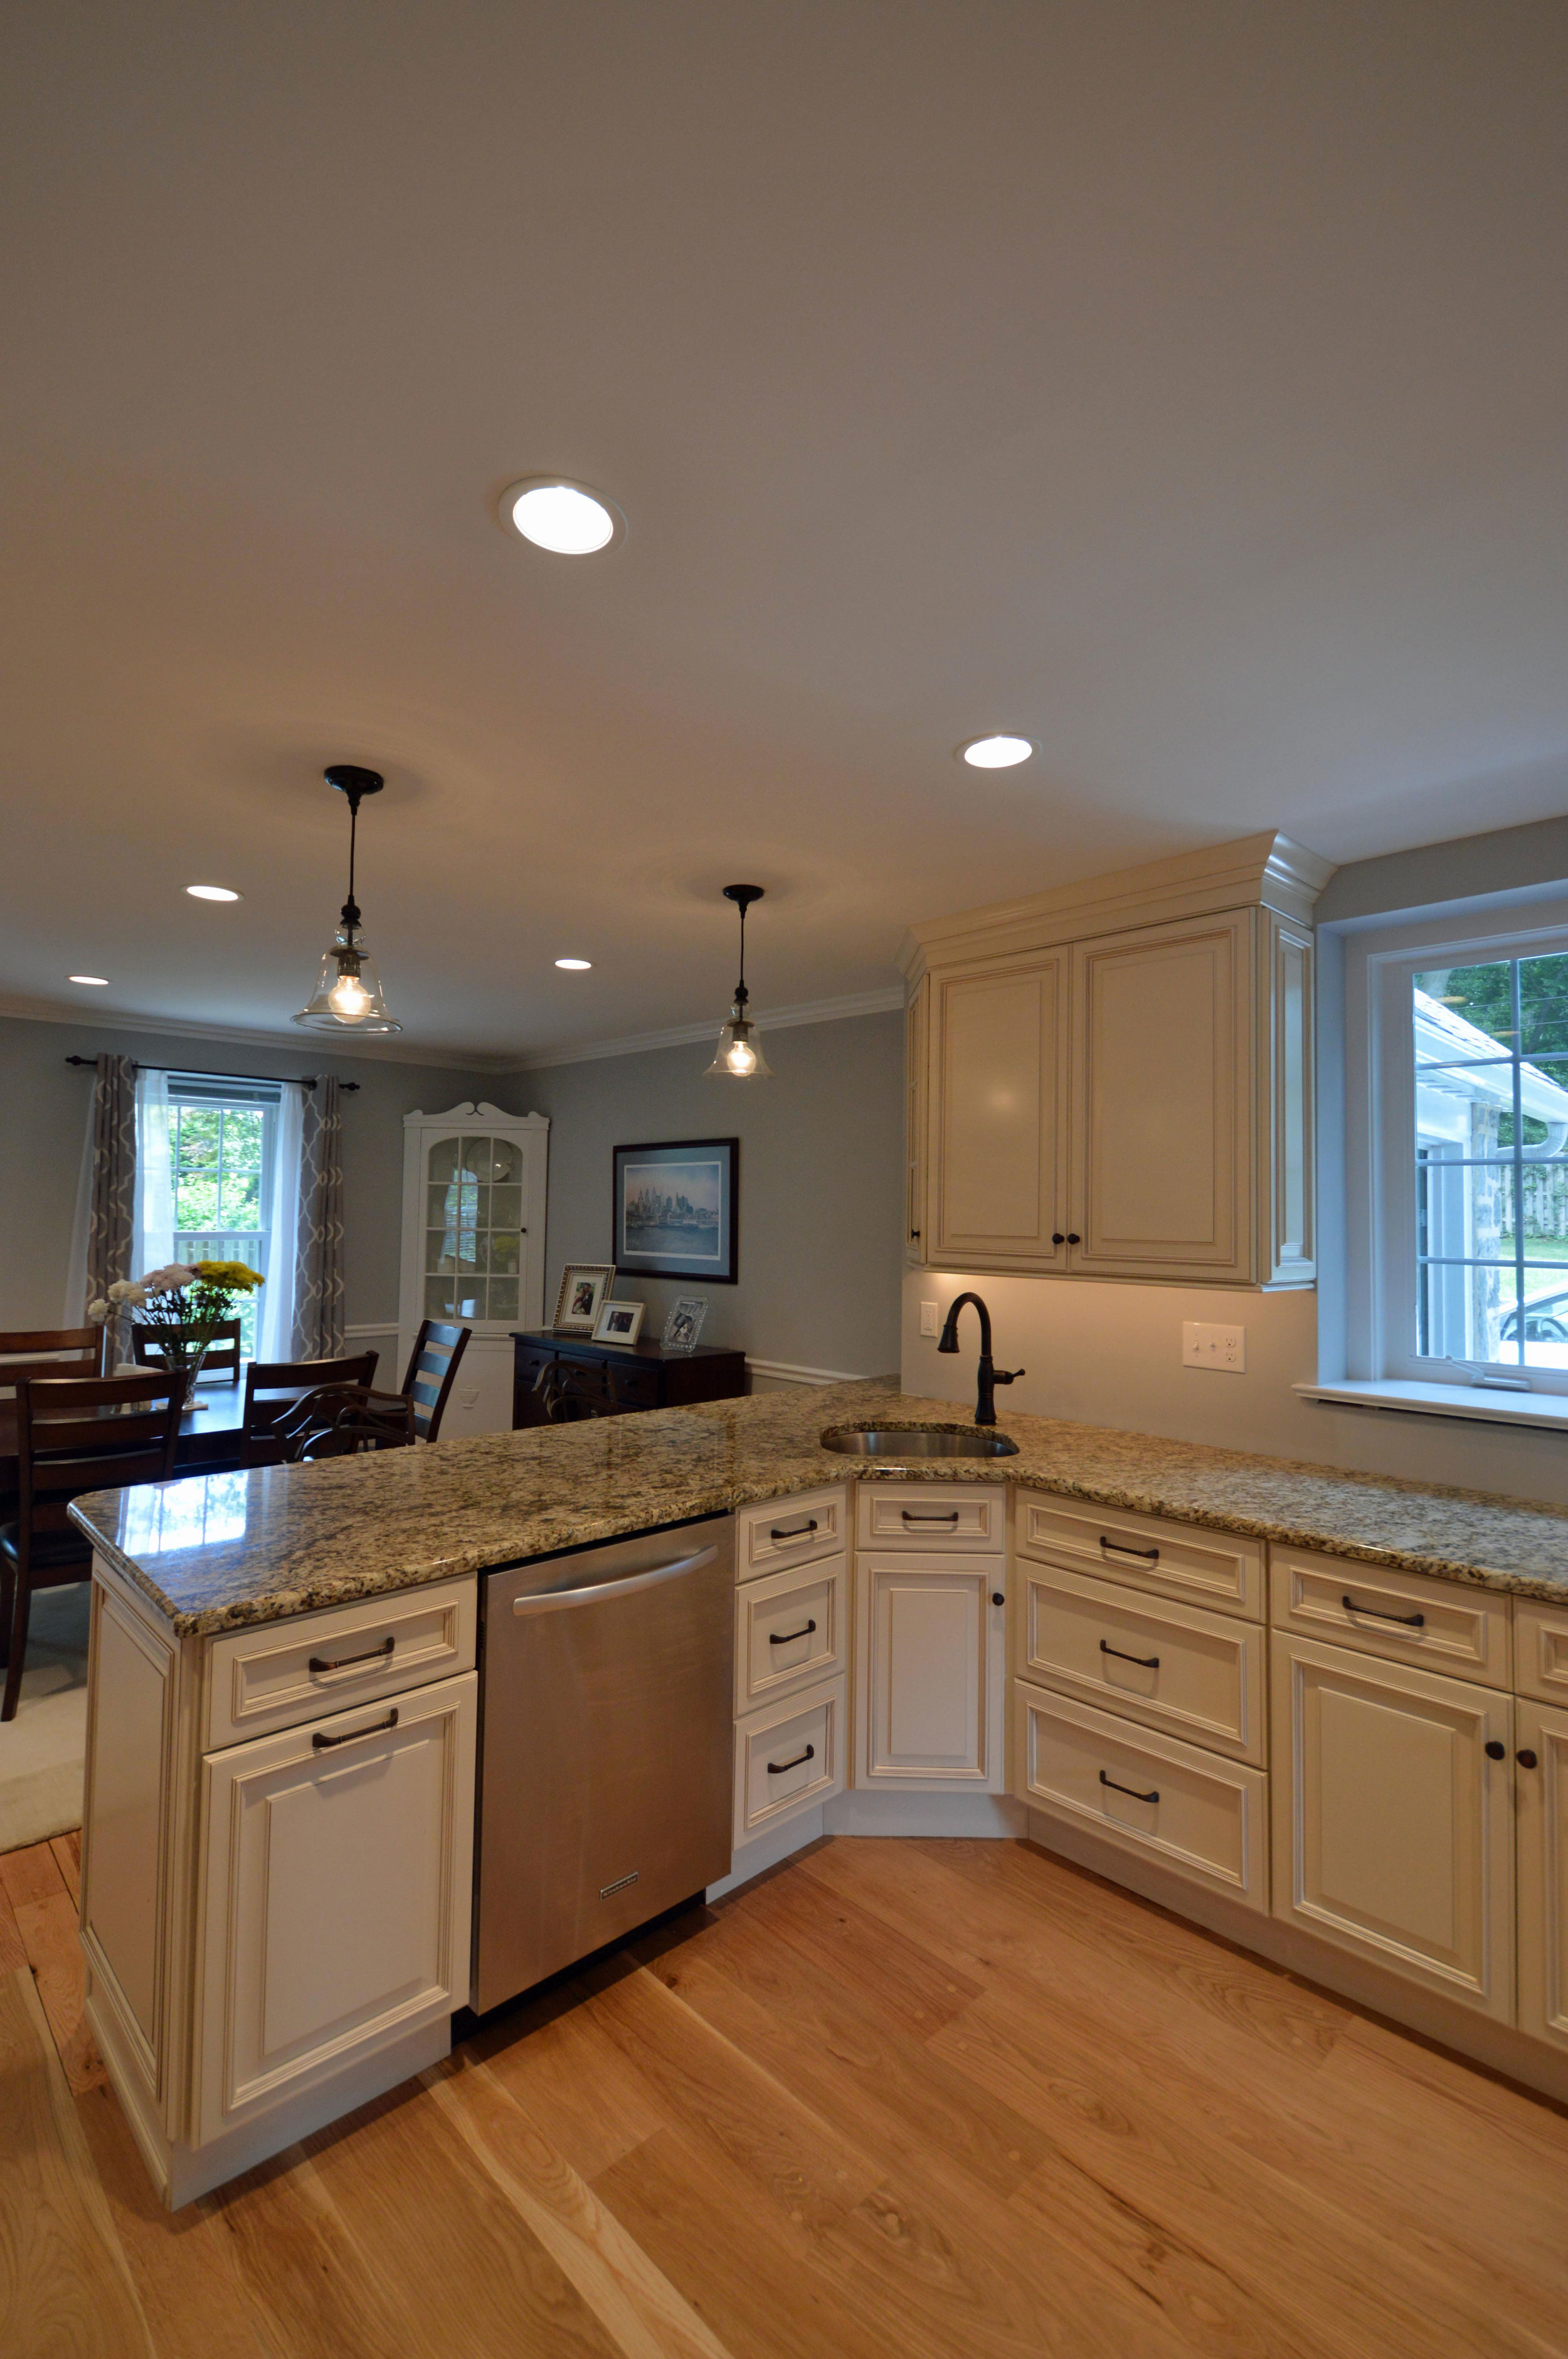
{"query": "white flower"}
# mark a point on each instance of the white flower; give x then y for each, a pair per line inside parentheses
(121, 1291)
(97, 1312)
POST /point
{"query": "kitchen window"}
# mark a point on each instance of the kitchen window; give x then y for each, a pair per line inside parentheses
(1457, 1163)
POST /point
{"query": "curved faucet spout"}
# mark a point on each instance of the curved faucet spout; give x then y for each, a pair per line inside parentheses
(990, 1376)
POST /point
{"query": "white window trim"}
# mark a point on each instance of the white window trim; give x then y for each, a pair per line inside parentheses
(1370, 1369)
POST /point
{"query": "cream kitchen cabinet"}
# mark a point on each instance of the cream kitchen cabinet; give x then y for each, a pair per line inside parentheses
(1393, 1813)
(915, 1020)
(336, 1881)
(931, 1672)
(1540, 1755)
(1118, 1077)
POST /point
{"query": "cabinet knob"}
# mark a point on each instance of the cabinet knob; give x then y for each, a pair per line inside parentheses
(1057, 1238)
(1496, 1749)
(1525, 1758)
(1073, 1238)
(999, 1597)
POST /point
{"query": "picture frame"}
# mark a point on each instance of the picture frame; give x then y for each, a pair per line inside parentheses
(584, 1285)
(684, 1324)
(620, 1322)
(675, 1207)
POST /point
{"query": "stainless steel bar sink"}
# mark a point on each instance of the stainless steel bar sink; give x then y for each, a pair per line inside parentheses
(917, 1441)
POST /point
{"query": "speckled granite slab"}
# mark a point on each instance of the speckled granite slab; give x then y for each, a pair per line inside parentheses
(217, 1551)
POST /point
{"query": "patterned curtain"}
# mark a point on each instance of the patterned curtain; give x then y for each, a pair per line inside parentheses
(319, 1252)
(111, 1211)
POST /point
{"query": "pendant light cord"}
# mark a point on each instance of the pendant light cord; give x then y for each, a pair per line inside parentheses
(351, 906)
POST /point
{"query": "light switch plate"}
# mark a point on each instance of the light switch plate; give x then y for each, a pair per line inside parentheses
(930, 1324)
(1204, 1345)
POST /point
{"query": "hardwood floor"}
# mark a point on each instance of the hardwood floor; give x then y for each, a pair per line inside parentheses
(937, 2100)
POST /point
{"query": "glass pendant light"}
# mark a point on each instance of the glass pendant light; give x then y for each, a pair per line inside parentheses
(348, 994)
(738, 1058)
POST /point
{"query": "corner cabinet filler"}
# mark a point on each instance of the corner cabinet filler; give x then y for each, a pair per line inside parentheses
(1114, 1079)
(474, 1245)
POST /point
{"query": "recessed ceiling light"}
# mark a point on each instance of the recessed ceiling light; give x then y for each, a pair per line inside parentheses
(579, 966)
(998, 753)
(212, 893)
(99, 982)
(572, 520)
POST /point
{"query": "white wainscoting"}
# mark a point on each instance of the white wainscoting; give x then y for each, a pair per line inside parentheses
(777, 1375)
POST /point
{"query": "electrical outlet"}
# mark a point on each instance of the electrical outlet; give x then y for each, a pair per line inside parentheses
(930, 1324)
(1204, 1345)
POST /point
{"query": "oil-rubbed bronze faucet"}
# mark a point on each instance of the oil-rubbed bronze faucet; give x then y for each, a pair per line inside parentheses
(985, 1407)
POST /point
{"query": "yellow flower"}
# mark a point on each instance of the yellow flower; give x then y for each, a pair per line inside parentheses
(235, 1274)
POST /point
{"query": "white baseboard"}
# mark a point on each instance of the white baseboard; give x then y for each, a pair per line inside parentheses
(858, 1812)
(784, 1372)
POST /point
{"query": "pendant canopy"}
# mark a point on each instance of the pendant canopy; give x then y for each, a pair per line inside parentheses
(739, 1057)
(348, 996)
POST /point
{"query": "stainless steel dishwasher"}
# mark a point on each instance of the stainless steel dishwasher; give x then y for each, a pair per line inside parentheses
(606, 1747)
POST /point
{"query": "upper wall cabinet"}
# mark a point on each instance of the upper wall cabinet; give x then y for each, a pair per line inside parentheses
(1116, 1080)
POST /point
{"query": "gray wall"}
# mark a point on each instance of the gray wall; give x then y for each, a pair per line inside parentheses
(821, 1187)
(45, 1104)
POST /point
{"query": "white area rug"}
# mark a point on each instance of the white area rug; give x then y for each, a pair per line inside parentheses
(41, 1750)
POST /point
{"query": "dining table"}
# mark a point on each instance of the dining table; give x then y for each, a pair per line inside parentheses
(211, 1434)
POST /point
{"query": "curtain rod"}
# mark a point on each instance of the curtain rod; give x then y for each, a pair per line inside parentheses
(303, 1081)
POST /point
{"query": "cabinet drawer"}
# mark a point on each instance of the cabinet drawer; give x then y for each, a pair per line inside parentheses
(1196, 1675)
(1218, 1568)
(788, 1757)
(1540, 1650)
(792, 1631)
(282, 1672)
(632, 1387)
(1406, 1616)
(1199, 1815)
(931, 1515)
(790, 1531)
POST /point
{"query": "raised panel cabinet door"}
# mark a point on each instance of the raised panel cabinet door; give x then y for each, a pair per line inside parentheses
(1542, 1788)
(1392, 1821)
(337, 1895)
(930, 1669)
(998, 1081)
(1162, 1090)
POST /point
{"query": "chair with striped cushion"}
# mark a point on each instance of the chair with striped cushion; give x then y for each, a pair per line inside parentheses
(438, 1348)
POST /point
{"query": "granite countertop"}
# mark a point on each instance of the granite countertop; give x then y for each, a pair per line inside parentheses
(215, 1553)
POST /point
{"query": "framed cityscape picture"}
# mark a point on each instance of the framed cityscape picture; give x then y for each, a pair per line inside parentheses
(676, 1209)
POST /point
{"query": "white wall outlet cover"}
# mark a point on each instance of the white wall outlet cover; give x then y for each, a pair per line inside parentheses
(1206, 1345)
(930, 1323)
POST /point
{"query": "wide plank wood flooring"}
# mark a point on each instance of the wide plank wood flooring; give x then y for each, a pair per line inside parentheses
(918, 2100)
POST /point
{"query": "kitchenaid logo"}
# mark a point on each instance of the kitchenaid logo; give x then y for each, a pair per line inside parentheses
(606, 1890)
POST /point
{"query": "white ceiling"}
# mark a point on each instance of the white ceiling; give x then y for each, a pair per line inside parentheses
(1183, 386)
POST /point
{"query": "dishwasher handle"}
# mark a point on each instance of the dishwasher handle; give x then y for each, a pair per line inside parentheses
(602, 1590)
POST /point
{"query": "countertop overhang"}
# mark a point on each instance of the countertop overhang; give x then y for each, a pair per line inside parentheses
(220, 1552)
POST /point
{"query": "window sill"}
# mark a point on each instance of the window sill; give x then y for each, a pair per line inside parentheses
(1478, 1402)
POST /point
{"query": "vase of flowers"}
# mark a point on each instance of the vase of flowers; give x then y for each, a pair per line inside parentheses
(184, 1306)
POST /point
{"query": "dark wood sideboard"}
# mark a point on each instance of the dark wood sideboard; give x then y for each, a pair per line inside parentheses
(609, 1380)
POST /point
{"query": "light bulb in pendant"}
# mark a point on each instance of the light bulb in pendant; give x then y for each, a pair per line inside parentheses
(741, 1058)
(349, 998)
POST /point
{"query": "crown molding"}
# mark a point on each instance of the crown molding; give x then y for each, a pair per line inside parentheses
(1267, 868)
(688, 1036)
(179, 1028)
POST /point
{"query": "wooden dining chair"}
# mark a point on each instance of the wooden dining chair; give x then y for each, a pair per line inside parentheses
(432, 1365)
(74, 1434)
(342, 1420)
(223, 1353)
(273, 1385)
(50, 1352)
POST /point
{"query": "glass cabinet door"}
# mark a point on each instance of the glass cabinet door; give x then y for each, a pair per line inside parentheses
(473, 1228)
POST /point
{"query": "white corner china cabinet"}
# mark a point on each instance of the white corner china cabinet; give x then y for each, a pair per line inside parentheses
(474, 1245)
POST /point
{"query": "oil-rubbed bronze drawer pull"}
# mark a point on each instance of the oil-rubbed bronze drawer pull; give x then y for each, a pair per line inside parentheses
(792, 1531)
(777, 1768)
(1129, 1790)
(1124, 1547)
(346, 1662)
(788, 1637)
(376, 1728)
(914, 1516)
(1376, 1613)
(1144, 1662)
